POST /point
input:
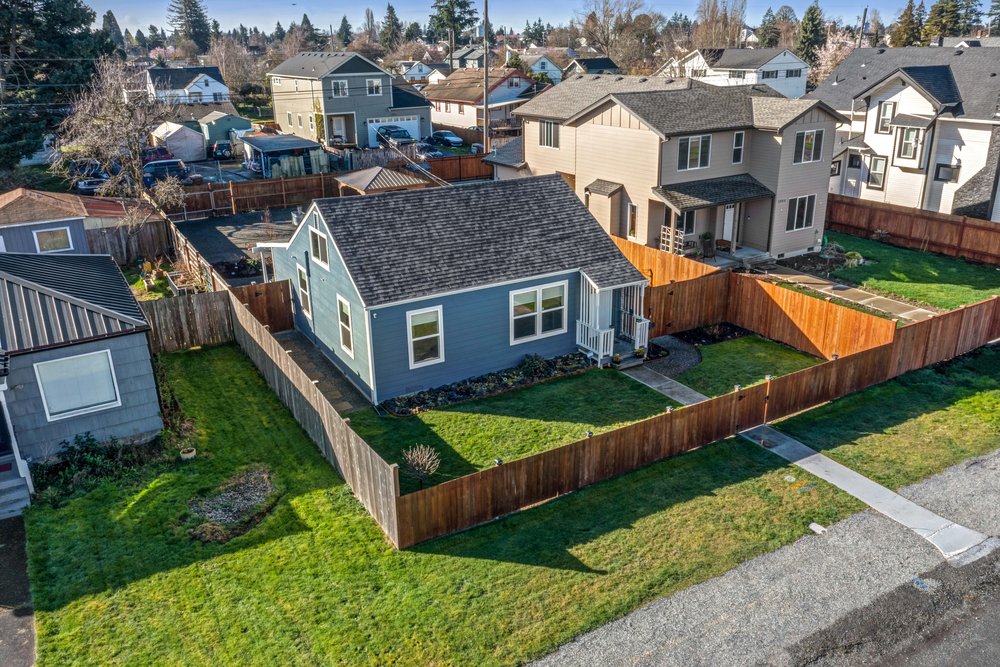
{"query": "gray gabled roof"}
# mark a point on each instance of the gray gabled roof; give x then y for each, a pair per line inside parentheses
(318, 64)
(176, 78)
(379, 178)
(596, 65)
(712, 192)
(49, 300)
(602, 187)
(405, 96)
(579, 92)
(739, 58)
(975, 73)
(937, 80)
(511, 154)
(407, 245)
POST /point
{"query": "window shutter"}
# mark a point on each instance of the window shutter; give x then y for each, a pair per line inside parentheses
(818, 146)
(706, 148)
(800, 139)
(682, 155)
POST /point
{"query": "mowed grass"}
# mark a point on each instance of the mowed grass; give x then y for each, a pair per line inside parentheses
(903, 431)
(116, 580)
(936, 280)
(471, 436)
(742, 361)
(160, 289)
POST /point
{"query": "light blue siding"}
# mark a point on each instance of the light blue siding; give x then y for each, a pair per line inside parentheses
(476, 328)
(138, 417)
(324, 286)
(21, 238)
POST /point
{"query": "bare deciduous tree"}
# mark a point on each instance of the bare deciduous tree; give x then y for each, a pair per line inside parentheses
(234, 62)
(421, 462)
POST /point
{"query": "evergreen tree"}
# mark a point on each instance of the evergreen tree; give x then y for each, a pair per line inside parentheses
(993, 17)
(392, 30)
(812, 34)
(943, 20)
(109, 24)
(767, 33)
(906, 32)
(344, 31)
(921, 18)
(216, 29)
(451, 17)
(190, 22)
(140, 39)
(279, 32)
(415, 32)
(154, 39)
(310, 38)
(243, 35)
(970, 13)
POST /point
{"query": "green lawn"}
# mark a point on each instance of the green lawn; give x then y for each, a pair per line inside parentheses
(937, 280)
(903, 431)
(470, 436)
(801, 289)
(116, 580)
(744, 361)
(160, 289)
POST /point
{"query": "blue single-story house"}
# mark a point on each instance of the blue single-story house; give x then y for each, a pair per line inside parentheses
(411, 290)
(75, 358)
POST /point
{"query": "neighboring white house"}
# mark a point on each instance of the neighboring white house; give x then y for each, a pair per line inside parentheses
(925, 128)
(748, 39)
(186, 85)
(780, 69)
(458, 100)
(421, 72)
(543, 65)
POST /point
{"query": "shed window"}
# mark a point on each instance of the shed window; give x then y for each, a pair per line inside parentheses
(537, 312)
(426, 337)
(548, 133)
(693, 152)
(77, 385)
(319, 248)
(374, 87)
(53, 240)
(800, 212)
(808, 146)
(738, 139)
(876, 173)
(305, 303)
(344, 317)
(340, 88)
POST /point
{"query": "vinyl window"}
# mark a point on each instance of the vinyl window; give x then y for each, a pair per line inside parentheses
(808, 146)
(686, 222)
(800, 212)
(886, 110)
(908, 143)
(854, 161)
(319, 248)
(548, 133)
(289, 114)
(340, 88)
(53, 240)
(693, 152)
(738, 139)
(793, 73)
(299, 117)
(77, 385)
(876, 173)
(374, 87)
(312, 123)
(835, 167)
(947, 173)
(305, 301)
(425, 335)
(537, 312)
(633, 220)
(769, 74)
(737, 74)
(344, 320)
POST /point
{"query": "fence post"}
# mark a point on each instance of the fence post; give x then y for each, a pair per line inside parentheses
(284, 199)
(767, 396)
(232, 197)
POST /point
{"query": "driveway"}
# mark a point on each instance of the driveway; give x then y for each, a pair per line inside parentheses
(17, 620)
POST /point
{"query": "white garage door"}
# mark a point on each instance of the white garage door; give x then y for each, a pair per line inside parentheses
(409, 123)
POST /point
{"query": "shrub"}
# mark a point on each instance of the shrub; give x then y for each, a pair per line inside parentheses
(854, 259)
(534, 365)
(421, 462)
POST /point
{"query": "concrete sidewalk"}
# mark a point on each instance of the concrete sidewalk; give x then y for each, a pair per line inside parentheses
(958, 544)
(668, 387)
(900, 309)
(17, 619)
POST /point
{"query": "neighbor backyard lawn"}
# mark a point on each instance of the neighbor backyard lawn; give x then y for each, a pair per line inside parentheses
(470, 436)
(116, 579)
(160, 289)
(937, 280)
(744, 361)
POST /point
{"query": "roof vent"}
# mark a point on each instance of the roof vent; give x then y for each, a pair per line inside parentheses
(619, 78)
(643, 80)
(959, 52)
(880, 51)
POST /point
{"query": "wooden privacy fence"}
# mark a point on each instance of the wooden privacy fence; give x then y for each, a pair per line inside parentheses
(461, 168)
(270, 303)
(214, 199)
(126, 245)
(955, 235)
(662, 268)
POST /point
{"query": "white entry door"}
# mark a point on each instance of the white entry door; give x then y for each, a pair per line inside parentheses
(728, 223)
(338, 129)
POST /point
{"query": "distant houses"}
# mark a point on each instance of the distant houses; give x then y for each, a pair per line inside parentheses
(780, 69)
(458, 100)
(186, 85)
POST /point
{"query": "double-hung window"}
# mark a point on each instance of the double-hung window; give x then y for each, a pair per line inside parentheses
(693, 152)
(289, 113)
(374, 87)
(339, 88)
(808, 146)
(425, 334)
(548, 133)
(319, 249)
(77, 385)
(299, 117)
(769, 74)
(738, 139)
(793, 73)
(737, 74)
(312, 123)
(886, 111)
(344, 318)
(800, 212)
(876, 173)
(537, 312)
(908, 143)
(305, 302)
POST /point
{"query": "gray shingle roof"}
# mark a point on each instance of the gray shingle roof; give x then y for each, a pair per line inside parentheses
(194, 113)
(713, 191)
(972, 41)
(405, 96)
(976, 73)
(278, 142)
(418, 243)
(739, 58)
(318, 64)
(596, 65)
(578, 92)
(511, 154)
(175, 78)
(48, 300)
(602, 187)
(718, 107)
(379, 178)
(976, 194)
(936, 80)
(911, 120)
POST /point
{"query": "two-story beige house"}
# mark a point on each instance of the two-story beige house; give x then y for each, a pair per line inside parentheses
(924, 130)
(664, 162)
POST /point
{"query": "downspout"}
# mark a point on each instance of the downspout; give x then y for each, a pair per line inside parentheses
(369, 316)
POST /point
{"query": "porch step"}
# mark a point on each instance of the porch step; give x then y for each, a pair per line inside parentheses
(13, 500)
(630, 362)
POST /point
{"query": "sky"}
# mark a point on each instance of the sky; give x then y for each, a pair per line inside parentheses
(513, 13)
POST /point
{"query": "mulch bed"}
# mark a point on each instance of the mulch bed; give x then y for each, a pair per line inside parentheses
(491, 384)
(820, 264)
(672, 356)
(239, 505)
(713, 333)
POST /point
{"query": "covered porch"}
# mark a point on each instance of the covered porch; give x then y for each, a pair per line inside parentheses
(611, 321)
(724, 219)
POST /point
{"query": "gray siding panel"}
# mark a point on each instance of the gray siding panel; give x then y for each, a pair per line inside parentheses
(138, 416)
(21, 238)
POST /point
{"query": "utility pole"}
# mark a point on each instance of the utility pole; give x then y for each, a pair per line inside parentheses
(486, 76)
(861, 32)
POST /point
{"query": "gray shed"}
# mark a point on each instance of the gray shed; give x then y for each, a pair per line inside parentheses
(216, 125)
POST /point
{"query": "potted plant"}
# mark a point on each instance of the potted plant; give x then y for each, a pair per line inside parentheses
(708, 244)
(616, 358)
(640, 352)
(188, 453)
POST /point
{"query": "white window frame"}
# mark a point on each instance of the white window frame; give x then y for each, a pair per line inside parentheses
(881, 173)
(324, 262)
(632, 220)
(814, 155)
(700, 138)
(739, 145)
(913, 144)
(301, 275)
(548, 134)
(349, 327)
(794, 201)
(883, 121)
(683, 219)
(342, 84)
(38, 247)
(289, 114)
(439, 335)
(81, 411)
(375, 84)
(586, 202)
(539, 312)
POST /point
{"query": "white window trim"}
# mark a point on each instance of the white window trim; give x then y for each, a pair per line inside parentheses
(343, 83)
(368, 87)
(69, 237)
(554, 134)
(313, 231)
(350, 326)
(682, 227)
(410, 339)
(885, 168)
(298, 117)
(83, 411)
(742, 147)
(699, 137)
(308, 290)
(812, 222)
(276, 80)
(538, 315)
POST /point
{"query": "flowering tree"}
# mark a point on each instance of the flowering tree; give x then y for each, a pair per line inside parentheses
(839, 45)
(162, 54)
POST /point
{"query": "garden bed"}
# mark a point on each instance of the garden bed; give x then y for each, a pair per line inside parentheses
(713, 333)
(240, 503)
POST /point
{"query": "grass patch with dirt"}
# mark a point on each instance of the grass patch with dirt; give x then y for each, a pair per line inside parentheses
(744, 361)
(159, 290)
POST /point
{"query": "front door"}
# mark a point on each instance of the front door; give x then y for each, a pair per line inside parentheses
(728, 223)
(338, 131)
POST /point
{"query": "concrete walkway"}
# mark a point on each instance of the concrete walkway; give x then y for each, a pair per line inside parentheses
(958, 544)
(670, 388)
(17, 618)
(900, 309)
(343, 396)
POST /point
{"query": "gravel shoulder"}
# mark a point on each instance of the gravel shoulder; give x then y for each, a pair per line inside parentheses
(816, 601)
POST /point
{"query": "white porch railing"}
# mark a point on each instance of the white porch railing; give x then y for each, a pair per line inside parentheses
(598, 342)
(641, 332)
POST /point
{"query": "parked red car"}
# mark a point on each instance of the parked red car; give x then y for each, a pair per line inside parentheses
(151, 153)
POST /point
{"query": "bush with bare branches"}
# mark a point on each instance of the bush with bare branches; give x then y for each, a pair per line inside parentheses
(421, 462)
